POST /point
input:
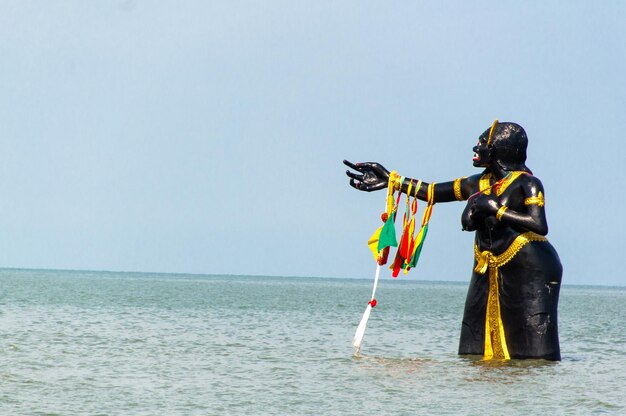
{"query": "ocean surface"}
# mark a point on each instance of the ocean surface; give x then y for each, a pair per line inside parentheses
(100, 343)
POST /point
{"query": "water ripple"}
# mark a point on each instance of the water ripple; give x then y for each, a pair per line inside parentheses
(90, 343)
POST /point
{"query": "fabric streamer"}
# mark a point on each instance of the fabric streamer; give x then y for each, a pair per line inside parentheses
(418, 243)
(403, 250)
(411, 248)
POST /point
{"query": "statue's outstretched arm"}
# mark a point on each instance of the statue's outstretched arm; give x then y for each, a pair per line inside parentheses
(373, 176)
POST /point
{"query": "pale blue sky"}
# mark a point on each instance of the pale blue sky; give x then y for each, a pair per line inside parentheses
(207, 137)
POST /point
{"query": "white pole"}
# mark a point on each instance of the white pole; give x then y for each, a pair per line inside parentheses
(360, 330)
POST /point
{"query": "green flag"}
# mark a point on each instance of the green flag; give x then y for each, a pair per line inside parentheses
(419, 241)
(388, 234)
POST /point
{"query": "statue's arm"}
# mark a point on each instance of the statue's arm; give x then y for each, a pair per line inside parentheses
(373, 176)
(534, 219)
(457, 190)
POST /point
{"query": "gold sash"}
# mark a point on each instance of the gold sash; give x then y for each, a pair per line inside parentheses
(495, 340)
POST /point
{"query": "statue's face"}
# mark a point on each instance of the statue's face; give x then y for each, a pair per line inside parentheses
(481, 152)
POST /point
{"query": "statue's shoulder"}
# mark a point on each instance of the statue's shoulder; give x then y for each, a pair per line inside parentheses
(531, 184)
(527, 177)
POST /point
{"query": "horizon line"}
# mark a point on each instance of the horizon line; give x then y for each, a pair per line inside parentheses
(263, 275)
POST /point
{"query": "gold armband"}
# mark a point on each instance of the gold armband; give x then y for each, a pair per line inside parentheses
(457, 189)
(501, 211)
(535, 200)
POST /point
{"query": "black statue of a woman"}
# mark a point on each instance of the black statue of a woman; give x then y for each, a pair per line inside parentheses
(511, 305)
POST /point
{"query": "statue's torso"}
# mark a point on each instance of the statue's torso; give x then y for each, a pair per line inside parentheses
(492, 234)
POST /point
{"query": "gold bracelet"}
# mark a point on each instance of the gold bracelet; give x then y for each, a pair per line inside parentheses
(500, 212)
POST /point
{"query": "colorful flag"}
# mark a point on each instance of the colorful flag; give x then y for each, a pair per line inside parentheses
(373, 242)
(387, 235)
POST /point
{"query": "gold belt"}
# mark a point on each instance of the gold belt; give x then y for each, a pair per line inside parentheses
(495, 340)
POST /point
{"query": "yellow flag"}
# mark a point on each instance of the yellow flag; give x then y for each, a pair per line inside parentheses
(373, 242)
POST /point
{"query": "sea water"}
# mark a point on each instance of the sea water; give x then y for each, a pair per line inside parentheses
(99, 343)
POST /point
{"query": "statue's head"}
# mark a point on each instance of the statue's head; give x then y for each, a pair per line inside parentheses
(503, 144)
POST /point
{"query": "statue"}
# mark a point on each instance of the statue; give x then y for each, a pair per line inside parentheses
(511, 305)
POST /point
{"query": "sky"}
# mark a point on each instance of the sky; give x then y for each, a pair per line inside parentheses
(208, 136)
